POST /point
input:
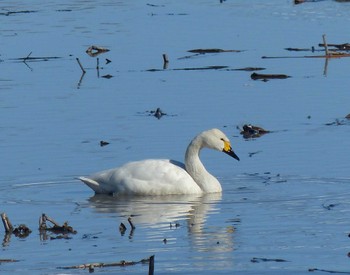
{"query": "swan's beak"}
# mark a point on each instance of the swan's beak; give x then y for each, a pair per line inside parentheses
(228, 150)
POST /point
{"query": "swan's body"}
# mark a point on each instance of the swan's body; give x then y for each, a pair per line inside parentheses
(163, 176)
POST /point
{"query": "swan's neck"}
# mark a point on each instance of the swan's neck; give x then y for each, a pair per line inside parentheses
(207, 182)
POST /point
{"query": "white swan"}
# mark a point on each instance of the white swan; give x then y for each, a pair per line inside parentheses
(164, 176)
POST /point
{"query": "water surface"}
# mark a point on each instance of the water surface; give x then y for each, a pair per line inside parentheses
(285, 200)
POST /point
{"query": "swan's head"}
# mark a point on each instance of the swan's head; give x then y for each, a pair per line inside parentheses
(217, 140)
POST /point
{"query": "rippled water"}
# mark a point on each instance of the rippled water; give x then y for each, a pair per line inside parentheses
(284, 207)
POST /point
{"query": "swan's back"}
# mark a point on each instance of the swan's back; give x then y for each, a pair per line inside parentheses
(147, 177)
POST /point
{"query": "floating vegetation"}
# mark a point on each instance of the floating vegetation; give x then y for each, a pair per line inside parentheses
(251, 131)
(96, 50)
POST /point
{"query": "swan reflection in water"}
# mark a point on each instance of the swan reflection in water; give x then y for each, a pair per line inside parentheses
(161, 213)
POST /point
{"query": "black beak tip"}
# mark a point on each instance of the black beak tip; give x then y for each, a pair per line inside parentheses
(232, 154)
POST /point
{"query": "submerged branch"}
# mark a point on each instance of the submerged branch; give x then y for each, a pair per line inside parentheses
(91, 266)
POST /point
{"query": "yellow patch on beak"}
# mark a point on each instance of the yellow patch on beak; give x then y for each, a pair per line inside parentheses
(227, 146)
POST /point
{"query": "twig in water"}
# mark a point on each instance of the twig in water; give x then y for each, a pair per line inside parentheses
(81, 67)
(56, 228)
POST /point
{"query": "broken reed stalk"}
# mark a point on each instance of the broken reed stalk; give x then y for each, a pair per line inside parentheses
(44, 218)
(325, 44)
(151, 265)
(7, 224)
(81, 67)
(165, 58)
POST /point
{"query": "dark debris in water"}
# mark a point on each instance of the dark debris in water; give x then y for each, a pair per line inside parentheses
(266, 77)
(339, 122)
(214, 67)
(267, 178)
(204, 51)
(8, 261)
(259, 260)
(328, 271)
(158, 113)
(329, 206)
(7, 13)
(249, 69)
(103, 143)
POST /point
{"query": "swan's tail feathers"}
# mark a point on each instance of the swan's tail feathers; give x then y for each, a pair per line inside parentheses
(94, 185)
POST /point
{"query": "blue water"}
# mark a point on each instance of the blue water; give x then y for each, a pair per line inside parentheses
(288, 200)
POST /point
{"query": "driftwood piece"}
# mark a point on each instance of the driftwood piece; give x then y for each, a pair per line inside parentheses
(91, 266)
(21, 231)
(343, 47)
(6, 222)
(256, 76)
(56, 228)
(96, 50)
